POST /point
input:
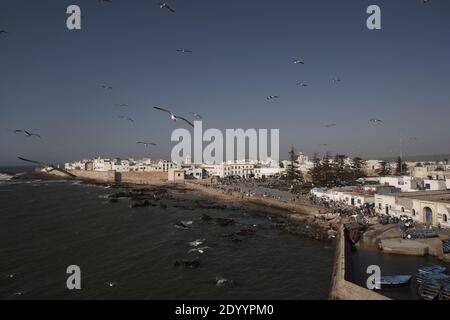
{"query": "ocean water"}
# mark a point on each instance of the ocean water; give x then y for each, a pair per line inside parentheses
(45, 226)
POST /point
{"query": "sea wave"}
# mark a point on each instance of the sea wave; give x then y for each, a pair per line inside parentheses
(5, 177)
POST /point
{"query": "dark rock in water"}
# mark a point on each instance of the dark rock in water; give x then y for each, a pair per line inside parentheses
(221, 282)
(246, 232)
(183, 224)
(223, 222)
(206, 218)
(233, 237)
(120, 194)
(113, 200)
(209, 205)
(139, 203)
(302, 230)
(189, 264)
(182, 206)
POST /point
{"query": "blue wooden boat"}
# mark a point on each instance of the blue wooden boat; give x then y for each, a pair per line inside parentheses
(431, 272)
(429, 289)
(432, 269)
(395, 281)
(445, 292)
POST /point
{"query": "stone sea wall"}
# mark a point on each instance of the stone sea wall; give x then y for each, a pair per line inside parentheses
(341, 286)
(112, 176)
(141, 177)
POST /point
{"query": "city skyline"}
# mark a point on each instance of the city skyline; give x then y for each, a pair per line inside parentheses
(52, 78)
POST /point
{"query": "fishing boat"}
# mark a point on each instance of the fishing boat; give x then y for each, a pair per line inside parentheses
(430, 289)
(432, 272)
(432, 269)
(445, 292)
(420, 234)
(395, 281)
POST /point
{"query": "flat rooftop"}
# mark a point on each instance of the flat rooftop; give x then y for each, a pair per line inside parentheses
(442, 196)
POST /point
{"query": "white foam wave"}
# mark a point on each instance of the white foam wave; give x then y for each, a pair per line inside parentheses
(5, 177)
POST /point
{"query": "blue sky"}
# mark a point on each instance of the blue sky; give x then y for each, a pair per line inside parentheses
(51, 77)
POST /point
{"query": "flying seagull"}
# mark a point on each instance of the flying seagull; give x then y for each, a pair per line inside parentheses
(123, 105)
(107, 1)
(376, 121)
(146, 144)
(126, 118)
(196, 115)
(110, 284)
(104, 86)
(173, 116)
(48, 166)
(302, 84)
(330, 125)
(3, 32)
(164, 5)
(184, 51)
(28, 134)
(336, 80)
(200, 250)
(298, 61)
(271, 98)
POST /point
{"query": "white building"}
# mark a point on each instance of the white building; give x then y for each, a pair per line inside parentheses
(434, 185)
(239, 169)
(349, 196)
(405, 183)
(428, 207)
(100, 164)
(266, 172)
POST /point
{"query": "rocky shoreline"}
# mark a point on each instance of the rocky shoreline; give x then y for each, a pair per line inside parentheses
(294, 218)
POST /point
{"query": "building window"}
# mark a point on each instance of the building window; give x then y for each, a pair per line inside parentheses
(445, 218)
(403, 209)
(414, 212)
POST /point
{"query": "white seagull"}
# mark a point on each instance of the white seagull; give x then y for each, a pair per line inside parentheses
(28, 133)
(48, 167)
(146, 144)
(184, 51)
(336, 80)
(200, 250)
(302, 84)
(271, 98)
(196, 115)
(196, 243)
(298, 61)
(174, 117)
(110, 284)
(164, 5)
(376, 121)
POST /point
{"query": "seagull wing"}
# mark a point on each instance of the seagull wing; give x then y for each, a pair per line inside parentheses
(187, 121)
(164, 110)
(32, 161)
(46, 165)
